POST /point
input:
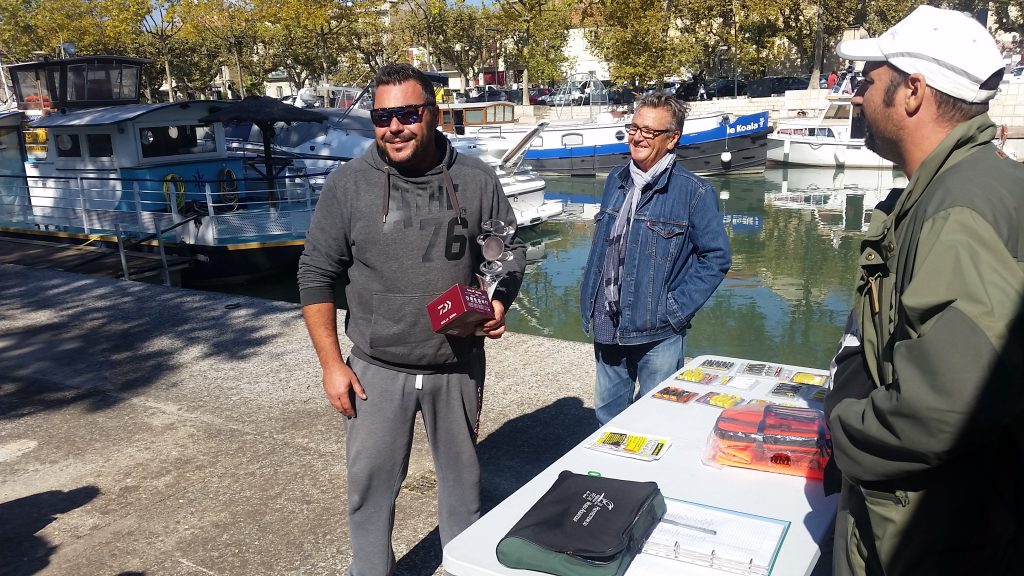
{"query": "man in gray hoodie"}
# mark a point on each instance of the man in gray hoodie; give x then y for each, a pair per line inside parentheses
(394, 229)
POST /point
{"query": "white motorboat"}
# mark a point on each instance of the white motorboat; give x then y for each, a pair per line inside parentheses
(525, 189)
(349, 133)
(835, 139)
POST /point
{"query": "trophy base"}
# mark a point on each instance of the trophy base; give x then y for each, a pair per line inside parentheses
(460, 310)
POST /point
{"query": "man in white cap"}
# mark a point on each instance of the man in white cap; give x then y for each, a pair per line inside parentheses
(927, 407)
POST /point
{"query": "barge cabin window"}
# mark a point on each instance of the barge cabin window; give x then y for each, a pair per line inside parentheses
(102, 81)
(159, 141)
(99, 145)
(68, 146)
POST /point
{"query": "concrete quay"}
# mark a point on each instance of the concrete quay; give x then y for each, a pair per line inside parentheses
(147, 430)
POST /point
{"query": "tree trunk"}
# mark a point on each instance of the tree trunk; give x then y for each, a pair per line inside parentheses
(815, 82)
(238, 65)
(526, 86)
(170, 81)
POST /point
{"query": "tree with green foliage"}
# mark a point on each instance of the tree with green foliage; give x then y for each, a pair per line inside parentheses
(805, 21)
(304, 38)
(93, 26)
(1009, 17)
(878, 16)
(162, 25)
(236, 30)
(535, 33)
(371, 44)
(462, 33)
(637, 39)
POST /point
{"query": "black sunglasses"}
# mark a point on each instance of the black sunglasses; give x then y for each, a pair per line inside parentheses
(411, 114)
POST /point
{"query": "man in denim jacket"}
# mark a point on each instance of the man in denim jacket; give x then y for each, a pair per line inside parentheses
(659, 252)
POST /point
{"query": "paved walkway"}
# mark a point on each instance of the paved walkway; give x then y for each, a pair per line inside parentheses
(149, 431)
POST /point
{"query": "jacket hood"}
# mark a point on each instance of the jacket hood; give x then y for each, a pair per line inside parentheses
(377, 160)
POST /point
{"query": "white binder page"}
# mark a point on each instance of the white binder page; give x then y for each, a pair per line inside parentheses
(718, 538)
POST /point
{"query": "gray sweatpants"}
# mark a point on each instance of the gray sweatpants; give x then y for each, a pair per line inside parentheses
(379, 443)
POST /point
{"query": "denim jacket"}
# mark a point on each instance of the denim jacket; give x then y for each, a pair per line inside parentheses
(677, 254)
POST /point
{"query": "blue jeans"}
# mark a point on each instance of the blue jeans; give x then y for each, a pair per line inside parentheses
(619, 366)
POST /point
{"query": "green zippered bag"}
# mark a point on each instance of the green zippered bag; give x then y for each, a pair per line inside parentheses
(584, 526)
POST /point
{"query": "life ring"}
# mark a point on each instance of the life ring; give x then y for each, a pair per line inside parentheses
(229, 188)
(178, 183)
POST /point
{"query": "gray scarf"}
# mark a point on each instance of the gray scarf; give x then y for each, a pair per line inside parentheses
(615, 257)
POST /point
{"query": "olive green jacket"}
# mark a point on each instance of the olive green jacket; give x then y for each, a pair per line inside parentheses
(929, 456)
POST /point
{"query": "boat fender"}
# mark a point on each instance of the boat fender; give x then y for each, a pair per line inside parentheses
(726, 157)
(177, 183)
(229, 189)
(1003, 132)
(840, 156)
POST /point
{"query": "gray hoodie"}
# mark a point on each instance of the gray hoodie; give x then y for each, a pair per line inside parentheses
(393, 243)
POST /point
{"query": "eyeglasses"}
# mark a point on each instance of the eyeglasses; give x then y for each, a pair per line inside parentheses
(411, 114)
(646, 132)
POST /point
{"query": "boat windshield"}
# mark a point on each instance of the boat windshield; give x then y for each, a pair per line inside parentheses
(858, 127)
(838, 112)
(103, 81)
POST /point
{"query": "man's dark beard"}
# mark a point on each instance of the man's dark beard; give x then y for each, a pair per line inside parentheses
(870, 143)
(384, 152)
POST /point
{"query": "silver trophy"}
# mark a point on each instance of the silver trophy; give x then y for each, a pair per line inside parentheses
(493, 241)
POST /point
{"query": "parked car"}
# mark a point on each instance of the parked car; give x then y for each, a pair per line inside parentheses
(689, 91)
(723, 87)
(562, 98)
(669, 87)
(822, 80)
(595, 96)
(537, 93)
(490, 95)
(775, 85)
(514, 96)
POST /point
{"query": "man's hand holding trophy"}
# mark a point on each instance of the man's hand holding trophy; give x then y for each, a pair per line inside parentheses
(461, 309)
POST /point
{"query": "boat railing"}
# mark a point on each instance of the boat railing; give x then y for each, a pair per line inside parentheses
(254, 211)
(489, 131)
(809, 133)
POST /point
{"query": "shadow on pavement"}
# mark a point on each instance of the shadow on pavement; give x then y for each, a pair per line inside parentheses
(57, 337)
(23, 551)
(509, 458)
(423, 559)
(524, 446)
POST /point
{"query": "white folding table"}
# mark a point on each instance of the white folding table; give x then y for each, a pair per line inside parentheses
(681, 475)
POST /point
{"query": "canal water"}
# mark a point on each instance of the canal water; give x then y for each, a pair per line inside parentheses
(794, 235)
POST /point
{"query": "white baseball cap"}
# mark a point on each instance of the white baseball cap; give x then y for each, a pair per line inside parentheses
(952, 50)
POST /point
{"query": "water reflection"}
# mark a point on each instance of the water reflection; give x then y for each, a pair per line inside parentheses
(840, 200)
(794, 236)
